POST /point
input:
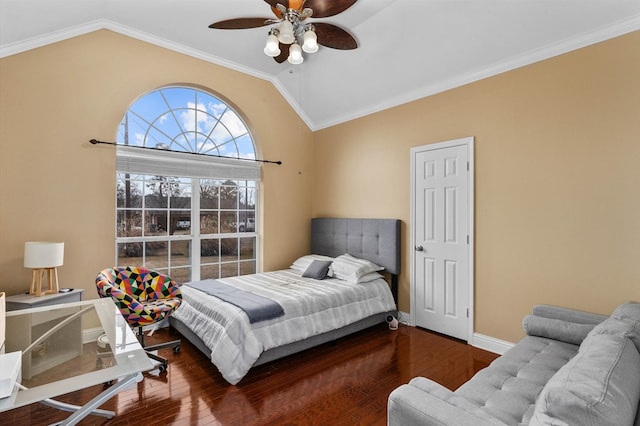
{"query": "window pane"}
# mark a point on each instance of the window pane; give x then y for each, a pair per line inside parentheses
(247, 248)
(209, 223)
(180, 222)
(228, 222)
(210, 251)
(229, 195)
(129, 223)
(180, 195)
(247, 268)
(247, 197)
(155, 222)
(209, 194)
(128, 192)
(129, 254)
(228, 249)
(180, 253)
(180, 275)
(229, 270)
(157, 191)
(210, 271)
(156, 255)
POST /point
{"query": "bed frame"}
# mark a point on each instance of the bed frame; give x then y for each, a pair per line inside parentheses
(377, 240)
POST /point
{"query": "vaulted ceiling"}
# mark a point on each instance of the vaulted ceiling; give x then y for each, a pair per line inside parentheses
(408, 49)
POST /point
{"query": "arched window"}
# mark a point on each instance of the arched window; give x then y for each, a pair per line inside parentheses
(190, 216)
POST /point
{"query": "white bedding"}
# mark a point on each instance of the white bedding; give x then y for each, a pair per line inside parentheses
(311, 307)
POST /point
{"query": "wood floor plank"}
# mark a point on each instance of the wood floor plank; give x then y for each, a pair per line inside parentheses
(346, 382)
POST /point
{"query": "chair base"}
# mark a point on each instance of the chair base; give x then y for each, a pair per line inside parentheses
(164, 363)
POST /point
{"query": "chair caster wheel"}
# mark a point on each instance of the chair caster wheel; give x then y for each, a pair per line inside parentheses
(176, 349)
(162, 368)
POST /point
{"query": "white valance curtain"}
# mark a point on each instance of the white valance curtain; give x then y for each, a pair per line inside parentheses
(131, 159)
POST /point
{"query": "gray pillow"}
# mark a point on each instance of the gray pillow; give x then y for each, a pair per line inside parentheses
(318, 269)
(565, 331)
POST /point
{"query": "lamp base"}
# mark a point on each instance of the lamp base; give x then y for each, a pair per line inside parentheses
(36, 281)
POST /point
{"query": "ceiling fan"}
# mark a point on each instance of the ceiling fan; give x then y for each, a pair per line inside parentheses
(291, 35)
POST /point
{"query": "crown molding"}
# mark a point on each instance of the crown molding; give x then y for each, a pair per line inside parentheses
(573, 43)
(565, 46)
(104, 24)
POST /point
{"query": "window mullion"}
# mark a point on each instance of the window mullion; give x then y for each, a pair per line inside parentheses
(195, 230)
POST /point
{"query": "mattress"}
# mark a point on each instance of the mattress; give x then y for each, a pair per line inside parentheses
(311, 307)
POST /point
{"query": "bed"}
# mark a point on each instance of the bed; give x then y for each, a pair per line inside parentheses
(316, 311)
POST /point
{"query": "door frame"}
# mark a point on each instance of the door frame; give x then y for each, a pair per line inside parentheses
(469, 142)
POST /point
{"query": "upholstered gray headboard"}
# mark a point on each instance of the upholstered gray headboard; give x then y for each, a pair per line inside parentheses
(377, 240)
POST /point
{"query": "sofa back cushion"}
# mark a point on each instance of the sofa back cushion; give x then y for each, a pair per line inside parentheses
(599, 386)
(630, 313)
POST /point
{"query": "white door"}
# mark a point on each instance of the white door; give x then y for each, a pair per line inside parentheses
(441, 237)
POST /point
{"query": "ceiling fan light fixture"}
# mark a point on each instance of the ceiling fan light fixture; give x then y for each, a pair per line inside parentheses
(295, 54)
(272, 46)
(310, 44)
(285, 32)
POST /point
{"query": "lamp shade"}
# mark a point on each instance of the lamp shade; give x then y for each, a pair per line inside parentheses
(295, 54)
(285, 32)
(42, 254)
(310, 44)
(272, 47)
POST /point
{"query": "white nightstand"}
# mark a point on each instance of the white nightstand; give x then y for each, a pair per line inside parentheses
(26, 301)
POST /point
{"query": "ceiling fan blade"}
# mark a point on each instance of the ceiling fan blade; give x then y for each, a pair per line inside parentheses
(284, 53)
(240, 23)
(334, 37)
(326, 8)
(274, 3)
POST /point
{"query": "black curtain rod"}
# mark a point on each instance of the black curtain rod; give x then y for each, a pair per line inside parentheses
(95, 142)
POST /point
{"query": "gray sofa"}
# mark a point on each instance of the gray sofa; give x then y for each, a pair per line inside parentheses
(572, 368)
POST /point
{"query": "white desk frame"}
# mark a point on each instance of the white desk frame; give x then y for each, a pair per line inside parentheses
(130, 361)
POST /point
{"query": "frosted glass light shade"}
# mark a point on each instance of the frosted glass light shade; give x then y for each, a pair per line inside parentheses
(285, 32)
(272, 47)
(42, 254)
(310, 44)
(295, 54)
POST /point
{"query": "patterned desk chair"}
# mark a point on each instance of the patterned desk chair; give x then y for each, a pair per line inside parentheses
(144, 297)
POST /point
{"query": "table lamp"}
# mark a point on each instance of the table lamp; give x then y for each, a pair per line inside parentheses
(44, 258)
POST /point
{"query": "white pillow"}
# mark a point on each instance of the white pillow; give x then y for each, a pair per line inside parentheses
(352, 269)
(302, 263)
(369, 277)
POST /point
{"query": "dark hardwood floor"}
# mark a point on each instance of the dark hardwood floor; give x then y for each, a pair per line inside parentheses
(346, 382)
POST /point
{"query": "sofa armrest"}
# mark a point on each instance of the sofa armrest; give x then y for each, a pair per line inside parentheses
(429, 404)
(566, 314)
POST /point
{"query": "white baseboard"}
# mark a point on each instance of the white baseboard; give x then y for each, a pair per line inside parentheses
(490, 344)
(405, 318)
(478, 340)
(91, 334)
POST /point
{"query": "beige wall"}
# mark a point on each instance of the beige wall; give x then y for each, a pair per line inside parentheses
(56, 186)
(556, 184)
(557, 156)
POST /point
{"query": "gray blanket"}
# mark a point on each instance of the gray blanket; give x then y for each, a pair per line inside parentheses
(257, 308)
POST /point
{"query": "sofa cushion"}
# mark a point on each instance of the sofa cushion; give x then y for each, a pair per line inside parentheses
(630, 313)
(556, 329)
(507, 389)
(599, 386)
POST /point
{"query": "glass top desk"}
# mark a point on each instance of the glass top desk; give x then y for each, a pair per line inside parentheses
(59, 356)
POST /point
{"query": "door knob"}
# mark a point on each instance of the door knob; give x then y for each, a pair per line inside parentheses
(419, 248)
